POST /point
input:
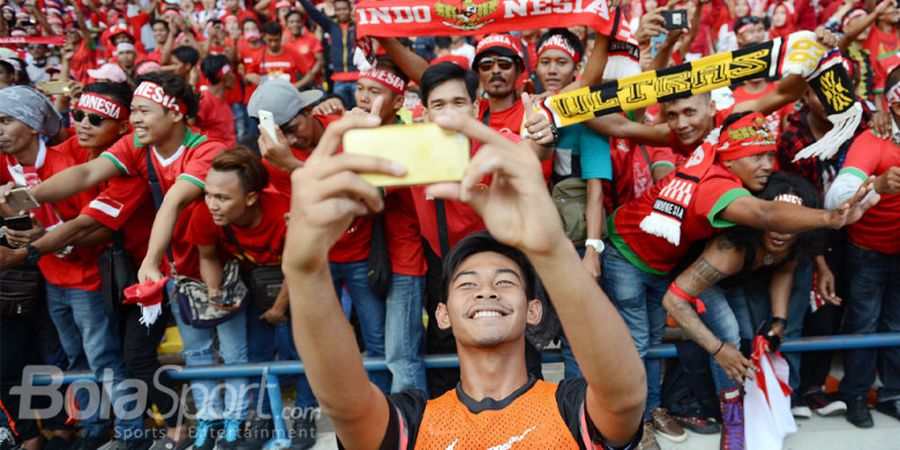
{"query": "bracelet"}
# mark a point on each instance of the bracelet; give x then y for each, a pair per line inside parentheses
(780, 320)
(720, 348)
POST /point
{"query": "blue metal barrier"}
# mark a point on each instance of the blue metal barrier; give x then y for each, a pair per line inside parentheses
(272, 370)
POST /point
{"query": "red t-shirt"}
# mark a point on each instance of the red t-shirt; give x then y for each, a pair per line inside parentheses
(306, 46)
(462, 220)
(214, 118)
(262, 245)
(84, 58)
(684, 150)
(355, 244)
(404, 239)
(774, 120)
(285, 65)
(510, 121)
(78, 270)
(653, 254)
(190, 163)
(249, 56)
(879, 228)
(880, 43)
(632, 172)
(125, 205)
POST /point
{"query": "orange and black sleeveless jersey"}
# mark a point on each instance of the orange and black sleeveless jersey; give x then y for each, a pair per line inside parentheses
(537, 416)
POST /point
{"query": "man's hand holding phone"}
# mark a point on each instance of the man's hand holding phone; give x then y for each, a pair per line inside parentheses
(274, 146)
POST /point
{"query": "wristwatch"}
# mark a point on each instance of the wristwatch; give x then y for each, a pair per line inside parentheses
(596, 244)
(33, 254)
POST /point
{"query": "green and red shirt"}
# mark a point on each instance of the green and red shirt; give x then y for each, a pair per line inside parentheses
(190, 163)
(879, 227)
(653, 254)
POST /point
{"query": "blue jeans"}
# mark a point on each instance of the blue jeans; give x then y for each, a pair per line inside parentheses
(752, 305)
(347, 91)
(720, 319)
(198, 351)
(90, 338)
(265, 341)
(638, 297)
(872, 306)
(369, 310)
(404, 332)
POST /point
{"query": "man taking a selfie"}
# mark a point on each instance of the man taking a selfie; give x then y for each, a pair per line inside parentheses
(488, 301)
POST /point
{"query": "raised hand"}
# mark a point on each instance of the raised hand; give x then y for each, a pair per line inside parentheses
(852, 210)
(537, 124)
(516, 207)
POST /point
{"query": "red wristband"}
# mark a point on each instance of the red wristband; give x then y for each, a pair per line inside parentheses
(698, 304)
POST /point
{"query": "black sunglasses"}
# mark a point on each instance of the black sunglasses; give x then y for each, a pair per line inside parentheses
(94, 119)
(505, 63)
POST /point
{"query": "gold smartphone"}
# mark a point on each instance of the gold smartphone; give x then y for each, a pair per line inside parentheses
(55, 87)
(429, 153)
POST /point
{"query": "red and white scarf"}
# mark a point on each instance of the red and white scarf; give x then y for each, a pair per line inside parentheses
(745, 137)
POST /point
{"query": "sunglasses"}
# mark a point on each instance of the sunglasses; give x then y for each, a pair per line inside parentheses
(94, 119)
(505, 63)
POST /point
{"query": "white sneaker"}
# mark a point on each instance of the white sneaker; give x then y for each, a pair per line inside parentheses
(801, 412)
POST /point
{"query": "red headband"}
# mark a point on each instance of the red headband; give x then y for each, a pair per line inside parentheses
(154, 92)
(747, 136)
(391, 80)
(557, 42)
(104, 106)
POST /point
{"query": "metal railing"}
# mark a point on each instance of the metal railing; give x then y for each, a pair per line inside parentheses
(270, 371)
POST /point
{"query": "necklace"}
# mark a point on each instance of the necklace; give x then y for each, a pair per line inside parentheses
(768, 259)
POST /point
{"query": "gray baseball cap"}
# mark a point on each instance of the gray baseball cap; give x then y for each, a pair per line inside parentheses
(282, 99)
(30, 107)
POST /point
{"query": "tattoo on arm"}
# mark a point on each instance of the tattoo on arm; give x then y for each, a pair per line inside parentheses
(696, 279)
(700, 276)
(724, 243)
(693, 326)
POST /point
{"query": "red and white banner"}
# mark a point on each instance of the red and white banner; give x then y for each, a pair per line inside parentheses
(46, 40)
(398, 18)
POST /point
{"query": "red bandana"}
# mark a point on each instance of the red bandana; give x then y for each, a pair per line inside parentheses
(104, 106)
(747, 136)
(388, 79)
(154, 92)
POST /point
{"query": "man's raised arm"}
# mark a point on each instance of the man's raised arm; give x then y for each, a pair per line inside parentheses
(325, 199)
(71, 181)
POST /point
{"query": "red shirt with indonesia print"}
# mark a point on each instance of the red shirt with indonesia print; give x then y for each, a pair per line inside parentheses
(653, 254)
(190, 163)
(78, 269)
(285, 65)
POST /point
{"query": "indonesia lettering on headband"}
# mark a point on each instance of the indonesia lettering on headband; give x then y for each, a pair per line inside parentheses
(155, 93)
(557, 42)
(104, 106)
(391, 80)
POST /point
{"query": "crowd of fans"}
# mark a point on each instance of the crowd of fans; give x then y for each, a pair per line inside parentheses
(135, 126)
